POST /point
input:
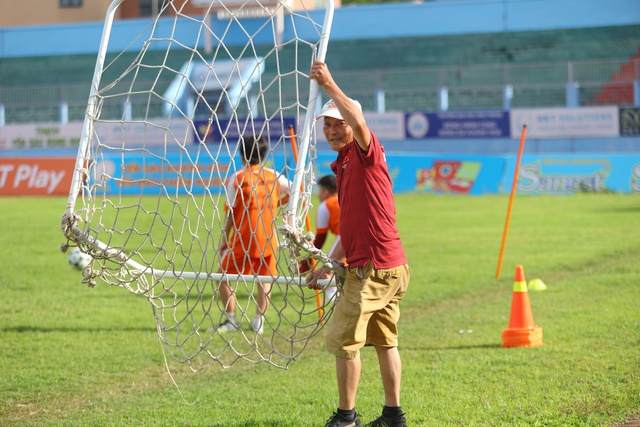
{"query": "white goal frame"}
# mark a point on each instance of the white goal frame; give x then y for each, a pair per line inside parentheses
(291, 229)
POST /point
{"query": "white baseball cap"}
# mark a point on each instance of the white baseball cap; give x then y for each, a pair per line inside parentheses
(329, 109)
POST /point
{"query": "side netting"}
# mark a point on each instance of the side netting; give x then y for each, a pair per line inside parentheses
(159, 171)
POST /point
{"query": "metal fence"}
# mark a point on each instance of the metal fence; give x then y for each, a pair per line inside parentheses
(470, 87)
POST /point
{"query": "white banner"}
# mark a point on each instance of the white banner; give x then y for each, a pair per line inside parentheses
(132, 135)
(386, 126)
(138, 134)
(584, 122)
(41, 135)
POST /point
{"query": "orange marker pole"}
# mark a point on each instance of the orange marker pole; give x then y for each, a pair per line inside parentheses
(294, 147)
(511, 197)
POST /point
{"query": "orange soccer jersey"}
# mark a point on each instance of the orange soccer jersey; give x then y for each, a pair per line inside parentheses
(253, 196)
(328, 216)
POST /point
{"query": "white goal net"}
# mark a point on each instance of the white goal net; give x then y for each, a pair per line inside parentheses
(163, 185)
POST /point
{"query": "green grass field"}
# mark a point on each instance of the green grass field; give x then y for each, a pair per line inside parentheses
(76, 356)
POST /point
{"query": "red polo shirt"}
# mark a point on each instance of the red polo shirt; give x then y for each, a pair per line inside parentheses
(367, 209)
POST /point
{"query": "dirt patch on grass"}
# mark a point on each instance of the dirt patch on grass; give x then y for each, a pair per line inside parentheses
(632, 423)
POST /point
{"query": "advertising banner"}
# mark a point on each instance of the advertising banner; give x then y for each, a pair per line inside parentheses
(130, 135)
(137, 173)
(557, 174)
(584, 122)
(161, 132)
(437, 174)
(41, 135)
(386, 126)
(150, 175)
(233, 130)
(457, 124)
(36, 176)
(630, 121)
(440, 174)
(473, 175)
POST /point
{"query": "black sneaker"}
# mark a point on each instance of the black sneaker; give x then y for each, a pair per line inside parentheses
(382, 421)
(336, 420)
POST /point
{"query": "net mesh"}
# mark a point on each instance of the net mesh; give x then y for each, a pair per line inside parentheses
(164, 124)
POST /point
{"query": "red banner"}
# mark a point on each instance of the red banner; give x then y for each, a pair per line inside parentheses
(36, 176)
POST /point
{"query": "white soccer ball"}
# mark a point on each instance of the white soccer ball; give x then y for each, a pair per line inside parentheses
(78, 259)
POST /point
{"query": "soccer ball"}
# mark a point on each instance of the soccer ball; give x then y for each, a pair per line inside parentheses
(78, 259)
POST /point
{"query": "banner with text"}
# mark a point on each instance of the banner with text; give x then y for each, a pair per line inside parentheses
(584, 122)
(35, 176)
(558, 174)
(130, 135)
(41, 135)
(439, 174)
(233, 130)
(386, 126)
(457, 124)
(442, 174)
(136, 173)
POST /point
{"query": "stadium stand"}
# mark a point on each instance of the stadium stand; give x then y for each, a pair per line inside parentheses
(392, 53)
(471, 66)
(620, 90)
(572, 44)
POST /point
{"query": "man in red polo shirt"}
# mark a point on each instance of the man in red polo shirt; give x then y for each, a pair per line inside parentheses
(377, 276)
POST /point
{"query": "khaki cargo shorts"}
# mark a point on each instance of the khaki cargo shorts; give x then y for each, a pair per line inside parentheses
(367, 310)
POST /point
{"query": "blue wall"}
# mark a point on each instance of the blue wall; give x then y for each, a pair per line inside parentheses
(364, 21)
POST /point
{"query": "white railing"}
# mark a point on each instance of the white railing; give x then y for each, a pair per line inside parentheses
(499, 86)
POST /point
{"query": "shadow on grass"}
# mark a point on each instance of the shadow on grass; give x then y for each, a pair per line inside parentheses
(617, 209)
(453, 347)
(41, 329)
(252, 423)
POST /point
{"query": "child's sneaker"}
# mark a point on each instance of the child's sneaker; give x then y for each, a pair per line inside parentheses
(257, 324)
(228, 326)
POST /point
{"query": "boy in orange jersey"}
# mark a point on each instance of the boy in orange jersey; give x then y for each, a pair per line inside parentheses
(328, 214)
(250, 240)
(327, 217)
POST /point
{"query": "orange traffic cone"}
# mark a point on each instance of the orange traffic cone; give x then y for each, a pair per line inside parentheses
(522, 331)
